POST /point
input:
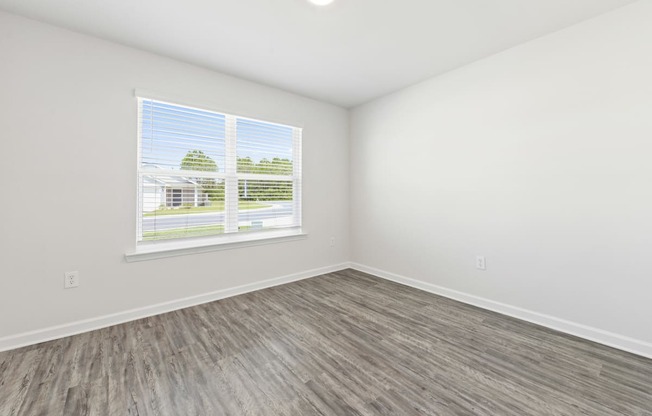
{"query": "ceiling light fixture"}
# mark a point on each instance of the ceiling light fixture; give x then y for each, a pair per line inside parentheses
(321, 2)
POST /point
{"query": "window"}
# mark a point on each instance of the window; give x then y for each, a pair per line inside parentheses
(206, 174)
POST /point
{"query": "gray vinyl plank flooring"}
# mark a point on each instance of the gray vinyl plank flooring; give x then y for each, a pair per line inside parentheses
(345, 343)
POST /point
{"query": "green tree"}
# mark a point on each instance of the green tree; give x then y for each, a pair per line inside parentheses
(197, 160)
(246, 165)
(259, 190)
(282, 166)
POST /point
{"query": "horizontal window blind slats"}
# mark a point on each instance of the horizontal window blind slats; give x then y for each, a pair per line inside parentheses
(268, 128)
(169, 156)
(160, 133)
(267, 178)
(185, 174)
(156, 107)
(283, 151)
(185, 170)
(147, 117)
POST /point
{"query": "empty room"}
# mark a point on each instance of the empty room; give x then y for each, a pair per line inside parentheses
(326, 207)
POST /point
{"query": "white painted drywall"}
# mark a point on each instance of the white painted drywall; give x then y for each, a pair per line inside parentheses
(68, 145)
(539, 158)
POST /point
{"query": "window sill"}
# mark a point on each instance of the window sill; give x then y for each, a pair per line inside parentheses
(166, 249)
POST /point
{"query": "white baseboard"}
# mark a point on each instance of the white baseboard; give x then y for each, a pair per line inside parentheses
(600, 336)
(73, 328)
(593, 334)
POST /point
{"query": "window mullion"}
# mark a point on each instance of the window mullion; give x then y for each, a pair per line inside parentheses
(139, 212)
(231, 182)
(139, 208)
(296, 172)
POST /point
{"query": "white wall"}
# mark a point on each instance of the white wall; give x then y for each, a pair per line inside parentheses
(539, 158)
(68, 145)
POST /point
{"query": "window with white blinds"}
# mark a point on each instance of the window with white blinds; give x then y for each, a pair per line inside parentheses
(202, 173)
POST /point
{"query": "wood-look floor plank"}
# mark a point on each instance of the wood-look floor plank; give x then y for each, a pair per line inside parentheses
(346, 343)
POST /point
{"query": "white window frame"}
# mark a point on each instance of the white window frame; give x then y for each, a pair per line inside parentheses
(231, 238)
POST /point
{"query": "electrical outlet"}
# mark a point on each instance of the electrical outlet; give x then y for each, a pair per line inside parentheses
(480, 263)
(71, 280)
(332, 241)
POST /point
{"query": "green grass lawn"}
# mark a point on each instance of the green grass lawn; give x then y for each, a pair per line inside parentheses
(183, 232)
(216, 206)
(201, 231)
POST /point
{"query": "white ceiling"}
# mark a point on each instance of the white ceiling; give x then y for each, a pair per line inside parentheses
(347, 53)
